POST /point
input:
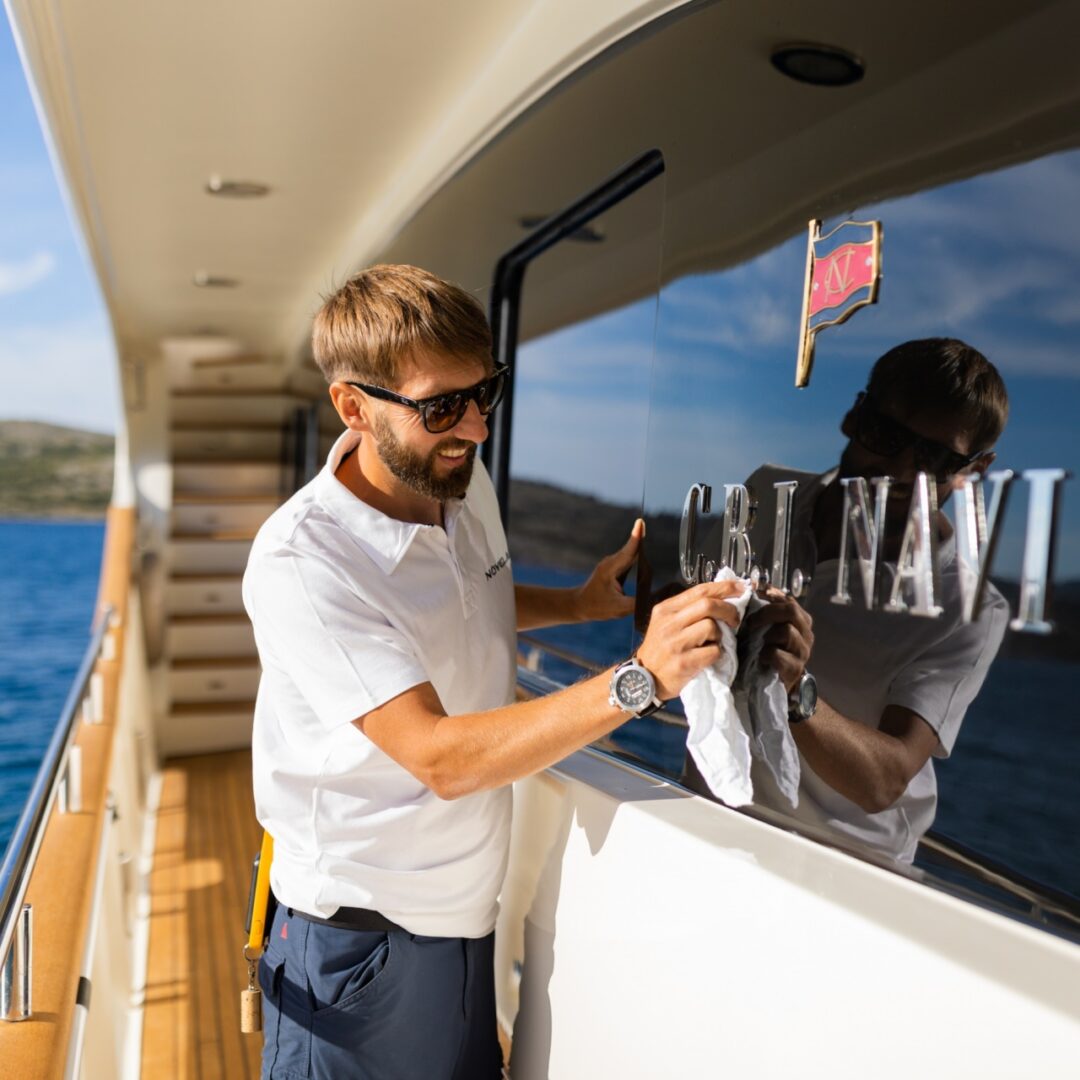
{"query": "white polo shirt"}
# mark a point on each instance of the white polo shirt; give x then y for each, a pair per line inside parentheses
(865, 661)
(350, 609)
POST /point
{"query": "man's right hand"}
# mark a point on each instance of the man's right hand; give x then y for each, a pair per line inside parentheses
(469, 752)
(683, 637)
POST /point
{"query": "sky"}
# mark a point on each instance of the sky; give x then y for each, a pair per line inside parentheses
(57, 360)
(697, 384)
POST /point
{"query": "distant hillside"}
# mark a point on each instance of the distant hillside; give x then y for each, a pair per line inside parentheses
(50, 471)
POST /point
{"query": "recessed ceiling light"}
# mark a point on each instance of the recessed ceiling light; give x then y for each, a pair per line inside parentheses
(236, 189)
(584, 234)
(819, 65)
(205, 280)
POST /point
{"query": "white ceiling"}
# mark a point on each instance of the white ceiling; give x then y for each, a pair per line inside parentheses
(351, 111)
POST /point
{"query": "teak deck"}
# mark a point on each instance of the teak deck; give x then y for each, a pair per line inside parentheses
(207, 836)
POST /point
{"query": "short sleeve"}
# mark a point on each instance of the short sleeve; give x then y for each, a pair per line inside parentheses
(941, 683)
(344, 657)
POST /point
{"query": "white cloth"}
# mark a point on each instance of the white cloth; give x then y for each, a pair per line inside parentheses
(865, 661)
(350, 609)
(730, 726)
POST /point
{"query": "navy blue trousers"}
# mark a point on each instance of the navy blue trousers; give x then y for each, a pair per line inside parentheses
(354, 1005)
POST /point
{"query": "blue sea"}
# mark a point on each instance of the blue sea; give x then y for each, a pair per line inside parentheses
(48, 585)
(1010, 789)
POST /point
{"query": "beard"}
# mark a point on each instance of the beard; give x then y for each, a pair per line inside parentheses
(418, 472)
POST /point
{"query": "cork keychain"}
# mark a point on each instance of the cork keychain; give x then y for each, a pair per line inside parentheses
(251, 999)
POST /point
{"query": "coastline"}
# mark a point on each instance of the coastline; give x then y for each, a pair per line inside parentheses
(61, 517)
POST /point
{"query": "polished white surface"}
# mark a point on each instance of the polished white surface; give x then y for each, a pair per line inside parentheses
(669, 936)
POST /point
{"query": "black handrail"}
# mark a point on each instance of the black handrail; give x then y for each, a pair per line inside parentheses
(299, 447)
(506, 297)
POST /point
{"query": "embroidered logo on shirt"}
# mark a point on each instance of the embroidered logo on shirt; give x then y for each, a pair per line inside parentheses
(495, 567)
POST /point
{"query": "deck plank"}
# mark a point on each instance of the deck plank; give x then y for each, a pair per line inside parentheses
(206, 837)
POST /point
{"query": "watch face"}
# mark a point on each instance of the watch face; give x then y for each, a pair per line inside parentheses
(633, 689)
(807, 695)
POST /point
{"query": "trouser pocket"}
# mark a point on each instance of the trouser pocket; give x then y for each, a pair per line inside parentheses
(286, 1008)
(355, 994)
(343, 966)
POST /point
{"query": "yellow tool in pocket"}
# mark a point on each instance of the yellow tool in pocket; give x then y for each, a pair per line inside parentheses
(260, 915)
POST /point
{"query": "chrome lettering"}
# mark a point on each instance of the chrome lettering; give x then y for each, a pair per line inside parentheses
(785, 503)
(691, 564)
(1044, 503)
(917, 567)
(977, 534)
(868, 535)
(738, 510)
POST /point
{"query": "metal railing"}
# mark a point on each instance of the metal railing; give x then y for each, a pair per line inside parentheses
(58, 783)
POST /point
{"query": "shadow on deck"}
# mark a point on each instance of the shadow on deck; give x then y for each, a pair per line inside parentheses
(207, 836)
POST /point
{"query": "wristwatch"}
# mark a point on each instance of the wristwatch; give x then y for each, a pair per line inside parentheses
(633, 689)
(802, 701)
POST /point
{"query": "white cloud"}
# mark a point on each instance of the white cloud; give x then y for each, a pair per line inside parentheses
(64, 374)
(18, 276)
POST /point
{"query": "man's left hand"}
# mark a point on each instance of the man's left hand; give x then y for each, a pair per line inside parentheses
(602, 596)
(790, 639)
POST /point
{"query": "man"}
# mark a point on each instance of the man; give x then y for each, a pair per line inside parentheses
(384, 737)
(893, 688)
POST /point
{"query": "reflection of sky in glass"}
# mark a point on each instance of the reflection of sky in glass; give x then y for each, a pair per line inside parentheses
(582, 403)
(994, 260)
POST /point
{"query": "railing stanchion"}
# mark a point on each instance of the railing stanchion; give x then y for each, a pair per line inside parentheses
(74, 780)
(16, 1002)
(97, 697)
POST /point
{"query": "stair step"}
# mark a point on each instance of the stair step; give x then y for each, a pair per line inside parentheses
(224, 461)
(223, 425)
(261, 478)
(223, 619)
(212, 708)
(205, 727)
(201, 556)
(307, 381)
(240, 701)
(195, 636)
(220, 444)
(218, 686)
(210, 663)
(236, 391)
(221, 534)
(218, 498)
(204, 594)
(244, 406)
(198, 575)
(193, 519)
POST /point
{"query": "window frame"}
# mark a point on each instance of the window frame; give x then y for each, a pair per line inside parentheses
(506, 297)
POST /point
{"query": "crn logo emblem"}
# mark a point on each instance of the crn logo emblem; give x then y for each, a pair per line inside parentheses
(838, 274)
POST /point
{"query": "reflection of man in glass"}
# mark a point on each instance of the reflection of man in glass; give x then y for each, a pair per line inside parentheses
(893, 688)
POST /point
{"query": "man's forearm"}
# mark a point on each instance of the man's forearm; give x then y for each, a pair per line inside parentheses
(538, 606)
(867, 766)
(480, 751)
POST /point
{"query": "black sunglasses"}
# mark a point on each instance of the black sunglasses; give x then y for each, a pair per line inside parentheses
(882, 435)
(443, 411)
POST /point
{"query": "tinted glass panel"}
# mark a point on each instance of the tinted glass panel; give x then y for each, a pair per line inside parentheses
(581, 404)
(994, 261)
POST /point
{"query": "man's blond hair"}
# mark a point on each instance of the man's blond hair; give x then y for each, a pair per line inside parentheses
(385, 314)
